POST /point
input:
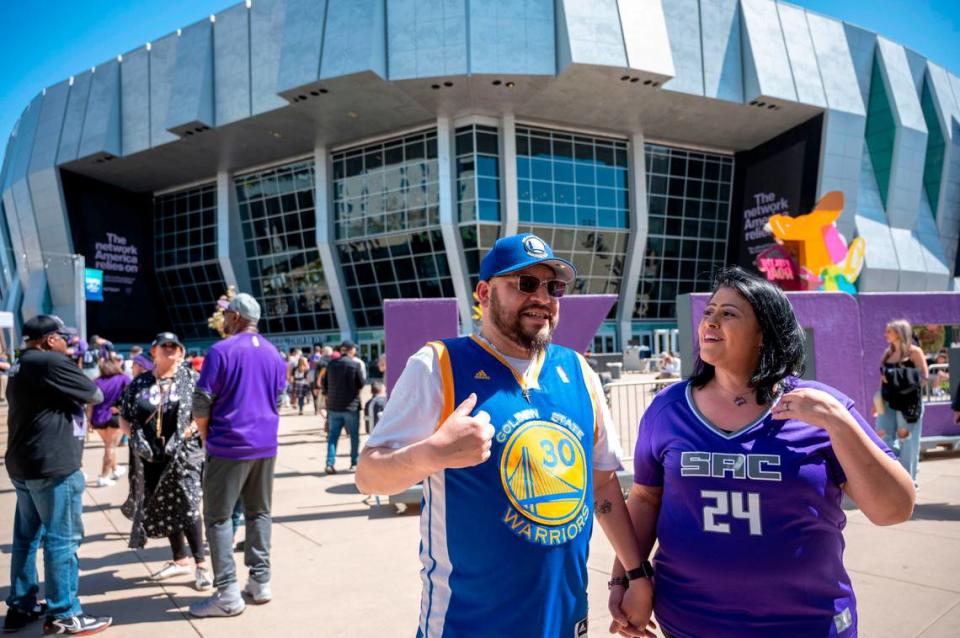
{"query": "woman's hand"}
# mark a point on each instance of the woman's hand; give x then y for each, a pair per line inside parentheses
(631, 609)
(815, 407)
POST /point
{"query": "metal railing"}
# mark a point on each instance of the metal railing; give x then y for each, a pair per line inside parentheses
(937, 387)
(628, 399)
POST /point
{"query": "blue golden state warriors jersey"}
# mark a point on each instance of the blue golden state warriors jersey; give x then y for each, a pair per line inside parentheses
(504, 543)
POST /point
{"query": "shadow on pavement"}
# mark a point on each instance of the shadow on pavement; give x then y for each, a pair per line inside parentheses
(936, 512)
(134, 611)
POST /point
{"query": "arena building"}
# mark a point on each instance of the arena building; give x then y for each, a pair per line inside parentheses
(329, 154)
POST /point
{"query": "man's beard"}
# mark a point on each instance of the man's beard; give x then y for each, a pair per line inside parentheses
(513, 330)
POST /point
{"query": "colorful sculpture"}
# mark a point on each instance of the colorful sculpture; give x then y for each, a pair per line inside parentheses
(811, 253)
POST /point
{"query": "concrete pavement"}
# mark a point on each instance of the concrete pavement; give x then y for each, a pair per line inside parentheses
(345, 568)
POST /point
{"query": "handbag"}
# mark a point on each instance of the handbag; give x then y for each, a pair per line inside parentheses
(901, 390)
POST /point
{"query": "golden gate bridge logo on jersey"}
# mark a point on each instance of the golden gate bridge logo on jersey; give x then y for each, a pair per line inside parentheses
(544, 474)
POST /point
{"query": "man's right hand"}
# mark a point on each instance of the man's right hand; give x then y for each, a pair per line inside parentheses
(462, 440)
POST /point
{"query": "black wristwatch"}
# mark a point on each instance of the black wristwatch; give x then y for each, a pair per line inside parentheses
(644, 571)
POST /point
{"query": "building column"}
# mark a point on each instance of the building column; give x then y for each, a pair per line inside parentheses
(326, 241)
(230, 250)
(508, 168)
(637, 245)
(449, 219)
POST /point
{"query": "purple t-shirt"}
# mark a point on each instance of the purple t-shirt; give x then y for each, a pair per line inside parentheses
(245, 375)
(112, 388)
(750, 526)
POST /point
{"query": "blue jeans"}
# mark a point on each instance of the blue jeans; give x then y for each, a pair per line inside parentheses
(338, 421)
(907, 449)
(48, 511)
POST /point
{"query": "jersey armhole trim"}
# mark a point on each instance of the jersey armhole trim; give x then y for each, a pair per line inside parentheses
(446, 379)
(585, 371)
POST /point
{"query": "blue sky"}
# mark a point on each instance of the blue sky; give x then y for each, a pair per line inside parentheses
(47, 41)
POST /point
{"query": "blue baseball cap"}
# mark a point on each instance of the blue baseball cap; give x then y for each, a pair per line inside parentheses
(516, 252)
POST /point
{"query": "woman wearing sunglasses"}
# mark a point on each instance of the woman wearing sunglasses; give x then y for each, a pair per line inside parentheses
(165, 491)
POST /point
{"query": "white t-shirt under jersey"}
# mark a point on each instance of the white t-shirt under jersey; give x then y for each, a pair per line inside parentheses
(416, 402)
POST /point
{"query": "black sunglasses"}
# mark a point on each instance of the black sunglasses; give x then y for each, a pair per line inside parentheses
(528, 285)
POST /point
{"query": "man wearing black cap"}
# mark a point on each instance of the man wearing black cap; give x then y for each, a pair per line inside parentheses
(341, 385)
(517, 452)
(47, 394)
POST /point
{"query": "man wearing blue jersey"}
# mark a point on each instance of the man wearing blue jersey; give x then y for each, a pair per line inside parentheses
(516, 451)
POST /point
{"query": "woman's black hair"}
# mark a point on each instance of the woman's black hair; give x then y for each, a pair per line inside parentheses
(782, 352)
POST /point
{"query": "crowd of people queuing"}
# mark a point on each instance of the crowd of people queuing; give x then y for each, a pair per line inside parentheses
(744, 429)
(201, 438)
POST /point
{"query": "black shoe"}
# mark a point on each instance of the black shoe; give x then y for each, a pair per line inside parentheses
(239, 547)
(330, 469)
(17, 619)
(76, 625)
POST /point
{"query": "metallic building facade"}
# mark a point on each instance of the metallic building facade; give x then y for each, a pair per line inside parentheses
(329, 154)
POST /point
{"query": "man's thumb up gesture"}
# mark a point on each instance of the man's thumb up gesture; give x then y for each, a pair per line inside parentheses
(463, 440)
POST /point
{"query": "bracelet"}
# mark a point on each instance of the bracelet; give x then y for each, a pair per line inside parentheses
(618, 581)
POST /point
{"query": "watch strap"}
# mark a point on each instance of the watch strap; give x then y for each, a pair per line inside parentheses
(644, 571)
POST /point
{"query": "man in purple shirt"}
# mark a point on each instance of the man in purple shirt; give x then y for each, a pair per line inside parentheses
(235, 407)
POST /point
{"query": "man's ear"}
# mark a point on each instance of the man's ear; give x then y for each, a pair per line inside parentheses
(483, 292)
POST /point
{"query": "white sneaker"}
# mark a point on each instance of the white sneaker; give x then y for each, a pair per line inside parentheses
(259, 592)
(219, 604)
(202, 580)
(105, 481)
(171, 569)
(117, 473)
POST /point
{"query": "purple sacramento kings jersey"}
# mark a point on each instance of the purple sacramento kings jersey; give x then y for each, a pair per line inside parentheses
(750, 527)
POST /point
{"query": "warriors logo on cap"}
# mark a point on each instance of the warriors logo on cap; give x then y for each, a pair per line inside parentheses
(535, 246)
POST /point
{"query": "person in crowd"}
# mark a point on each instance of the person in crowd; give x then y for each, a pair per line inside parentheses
(102, 347)
(5, 365)
(47, 393)
(235, 405)
(740, 472)
(320, 369)
(141, 363)
(940, 379)
(316, 354)
(164, 499)
(903, 369)
(128, 362)
(300, 383)
(669, 366)
(87, 357)
(955, 405)
(517, 452)
(375, 405)
(105, 419)
(341, 386)
(197, 362)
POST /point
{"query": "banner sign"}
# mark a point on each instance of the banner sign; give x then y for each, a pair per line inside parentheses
(93, 284)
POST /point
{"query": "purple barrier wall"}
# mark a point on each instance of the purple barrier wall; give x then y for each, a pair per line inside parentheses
(580, 318)
(876, 309)
(848, 339)
(410, 323)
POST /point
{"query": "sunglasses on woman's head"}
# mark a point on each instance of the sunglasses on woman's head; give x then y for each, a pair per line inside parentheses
(528, 285)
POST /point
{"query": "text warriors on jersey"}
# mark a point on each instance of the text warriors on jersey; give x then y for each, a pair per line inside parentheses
(543, 469)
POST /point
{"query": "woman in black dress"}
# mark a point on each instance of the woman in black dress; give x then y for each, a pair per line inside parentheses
(165, 491)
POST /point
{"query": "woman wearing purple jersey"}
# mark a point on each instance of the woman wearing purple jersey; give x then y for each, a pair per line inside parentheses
(105, 418)
(739, 476)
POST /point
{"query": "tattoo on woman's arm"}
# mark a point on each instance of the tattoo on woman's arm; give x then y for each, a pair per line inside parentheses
(605, 507)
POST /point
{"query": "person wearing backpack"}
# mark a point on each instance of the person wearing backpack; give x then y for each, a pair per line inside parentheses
(903, 372)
